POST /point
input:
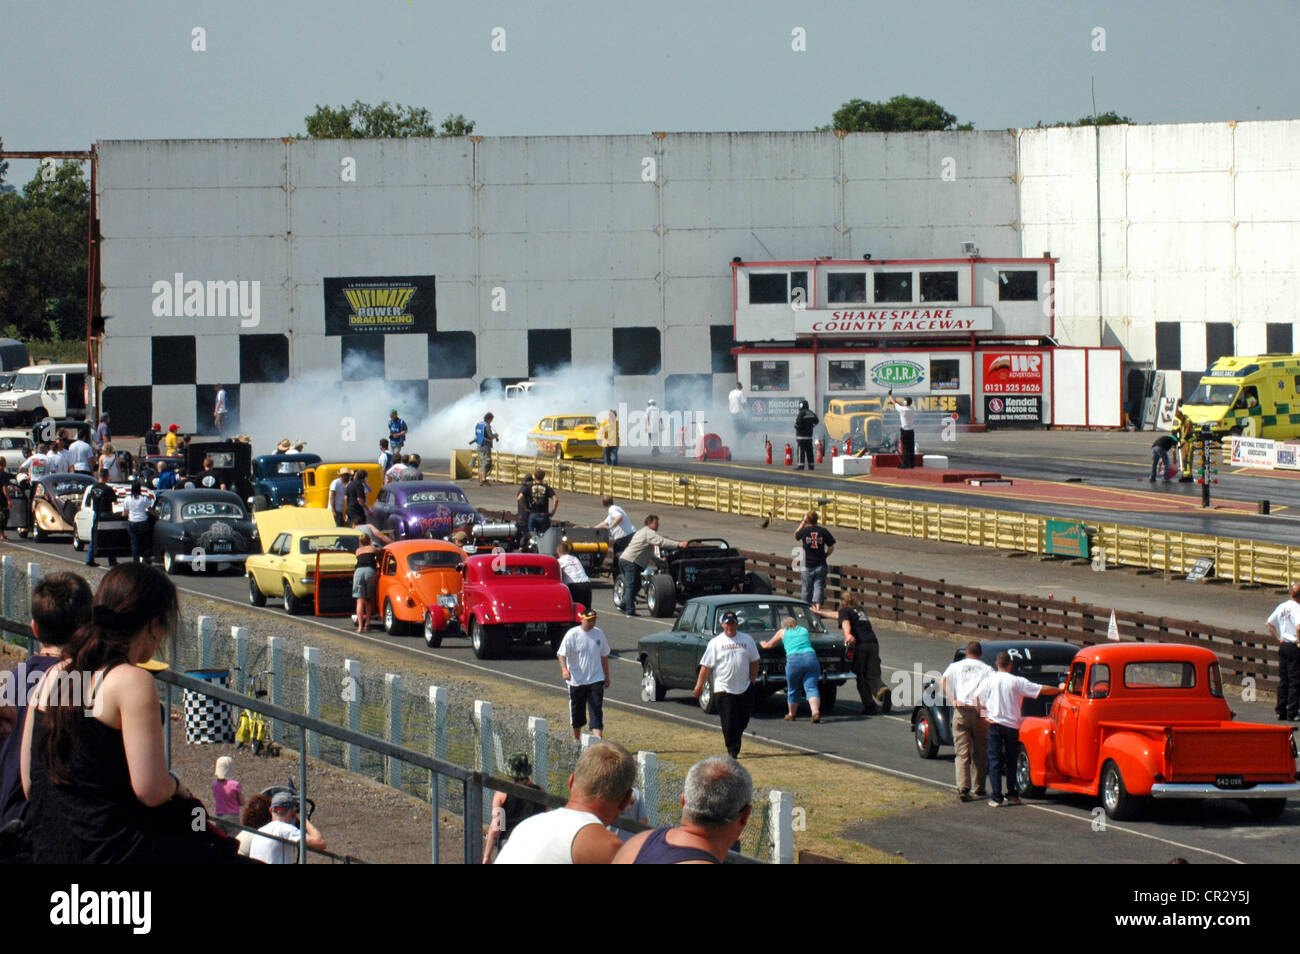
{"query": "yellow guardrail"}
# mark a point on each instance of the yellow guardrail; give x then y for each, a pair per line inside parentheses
(1170, 552)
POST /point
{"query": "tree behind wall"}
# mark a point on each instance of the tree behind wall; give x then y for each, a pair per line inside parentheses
(900, 114)
(43, 234)
(384, 121)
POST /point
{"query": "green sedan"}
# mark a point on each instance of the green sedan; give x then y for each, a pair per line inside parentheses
(671, 660)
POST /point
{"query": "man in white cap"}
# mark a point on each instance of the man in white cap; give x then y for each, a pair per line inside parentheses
(284, 824)
(584, 665)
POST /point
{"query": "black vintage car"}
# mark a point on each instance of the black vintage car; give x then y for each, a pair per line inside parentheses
(202, 529)
(1038, 660)
(232, 465)
(701, 568)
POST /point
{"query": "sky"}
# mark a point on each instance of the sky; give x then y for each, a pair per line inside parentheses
(77, 72)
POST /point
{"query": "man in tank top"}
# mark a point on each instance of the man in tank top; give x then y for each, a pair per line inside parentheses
(715, 810)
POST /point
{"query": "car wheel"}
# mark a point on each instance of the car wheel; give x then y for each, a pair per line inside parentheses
(22, 532)
(923, 734)
(661, 597)
(392, 625)
(758, 583)
(260, 502)
(652, 690)
(829, 691)
(255, 596)
(619, 590)
(1115, 799)
(169, 563)
(292, 605)
(1263, 809)
(1025, 781)
(432, 635)
(39, 535)
(77, 544)
(480, 640)
(707, 702)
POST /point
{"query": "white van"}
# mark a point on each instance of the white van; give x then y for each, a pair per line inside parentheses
(45, 390)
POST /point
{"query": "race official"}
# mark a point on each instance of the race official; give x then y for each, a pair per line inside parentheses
(1281, 625)
(1000, 696)
(804, 422)
(636, 557)
(584, 666)
(906, 434)
(961, 682)
(731, 660)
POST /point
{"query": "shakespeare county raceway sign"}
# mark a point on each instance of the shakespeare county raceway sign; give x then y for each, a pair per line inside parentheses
(891, 322)
(382, 305)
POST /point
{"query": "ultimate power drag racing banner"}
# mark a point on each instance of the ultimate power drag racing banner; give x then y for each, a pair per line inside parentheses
(405, 305)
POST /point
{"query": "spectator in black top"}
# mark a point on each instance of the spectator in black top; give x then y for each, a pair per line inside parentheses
(355, 498)
(521, 508)
(509, 810)
(541, 501)
(6, 479)
(860, 636)
(818, 542)
(102, 497)
(804, 422)
(1160, 449)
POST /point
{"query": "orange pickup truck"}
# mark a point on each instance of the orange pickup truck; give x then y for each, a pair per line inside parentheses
(1148, 720)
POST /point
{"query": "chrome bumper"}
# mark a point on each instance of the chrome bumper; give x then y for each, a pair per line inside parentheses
(1206, 790)
(210, 557)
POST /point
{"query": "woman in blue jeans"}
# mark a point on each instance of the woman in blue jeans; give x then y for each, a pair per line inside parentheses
(802, 671)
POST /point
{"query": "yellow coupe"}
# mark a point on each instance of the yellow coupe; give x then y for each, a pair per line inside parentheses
(567, 437)
(859, 418)
(299, 541)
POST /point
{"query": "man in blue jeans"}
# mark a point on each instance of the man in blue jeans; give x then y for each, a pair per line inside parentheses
(817, 543)
(101, 505)
(541, 500)
(636, 557)
(1000, 697)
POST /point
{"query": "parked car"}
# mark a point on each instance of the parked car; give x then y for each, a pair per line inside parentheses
(299, 542)
(566, 437)
(45, 390)
(421, 508)
(1138, 721)
(420, 585)
(51, 508)
(213, 522)
(113, 539)
(277, 480)
(16, 446)
(861, 419)
(671, 660)
(1040, 661)
(514, 598)
(232, 465)
(316, 480)
(705, 566)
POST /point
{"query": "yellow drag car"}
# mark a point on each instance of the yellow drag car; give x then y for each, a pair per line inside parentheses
(299, 544)
(859, 418)
(316, 482)
(567, 437)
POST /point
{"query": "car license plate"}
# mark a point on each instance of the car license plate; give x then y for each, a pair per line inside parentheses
(1229, 781)
(536, 628)
(221, 546)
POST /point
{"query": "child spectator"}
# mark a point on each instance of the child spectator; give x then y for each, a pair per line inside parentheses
(227, 793)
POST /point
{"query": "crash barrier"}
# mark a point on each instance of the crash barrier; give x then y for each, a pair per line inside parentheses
(1171, 552)
(322, 703)
(988, 614)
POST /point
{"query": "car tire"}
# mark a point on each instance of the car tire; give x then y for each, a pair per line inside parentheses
(481, 641)
(260, 502)
(39, 535)
(1264, 809)
(1115, 799)
(1024, 780)
(392, 625)
(77, 543)
(829, 692)
(924, 734)
(619, 590)
(22, 532)
(255, 596)
(432, 635)
(758, 583)
(652, 690)
(170, 566)
(661, 597)
(292, 605)
(708, 702)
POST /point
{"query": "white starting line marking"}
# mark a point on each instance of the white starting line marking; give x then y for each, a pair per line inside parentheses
(427, 653)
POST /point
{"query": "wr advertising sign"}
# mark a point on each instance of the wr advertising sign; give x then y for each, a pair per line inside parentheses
(355, 306)
(1013, 373)
(1013, 411)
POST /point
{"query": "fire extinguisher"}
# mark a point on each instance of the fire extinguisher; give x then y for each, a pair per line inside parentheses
(821, 447)
(848, 446)
(767, 443)
(789, 455)
(835, 450)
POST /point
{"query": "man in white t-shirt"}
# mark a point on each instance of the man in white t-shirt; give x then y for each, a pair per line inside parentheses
(338, 496)
(284, 824)
(599, 789)
(584, 665)
(961, 682)
(574, 575)
(732, 660)
(906, 435)
(620, 528)
(1281, 625)
(397, 471)
(79, 452)
(1000, 696)
(37, 465)
(736, 405)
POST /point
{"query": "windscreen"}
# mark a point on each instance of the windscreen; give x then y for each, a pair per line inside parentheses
(314, 544)
(1212, 395)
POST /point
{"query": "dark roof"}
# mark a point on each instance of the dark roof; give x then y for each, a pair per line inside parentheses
(717, 599)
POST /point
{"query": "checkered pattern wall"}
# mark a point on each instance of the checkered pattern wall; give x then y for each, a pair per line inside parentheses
(1184, 349)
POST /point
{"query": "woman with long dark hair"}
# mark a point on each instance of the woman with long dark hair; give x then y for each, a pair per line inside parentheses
(93, 765)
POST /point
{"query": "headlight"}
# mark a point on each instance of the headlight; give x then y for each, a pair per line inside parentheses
(448, 600)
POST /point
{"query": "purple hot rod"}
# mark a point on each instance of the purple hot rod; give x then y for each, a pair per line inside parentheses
(422, 509)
